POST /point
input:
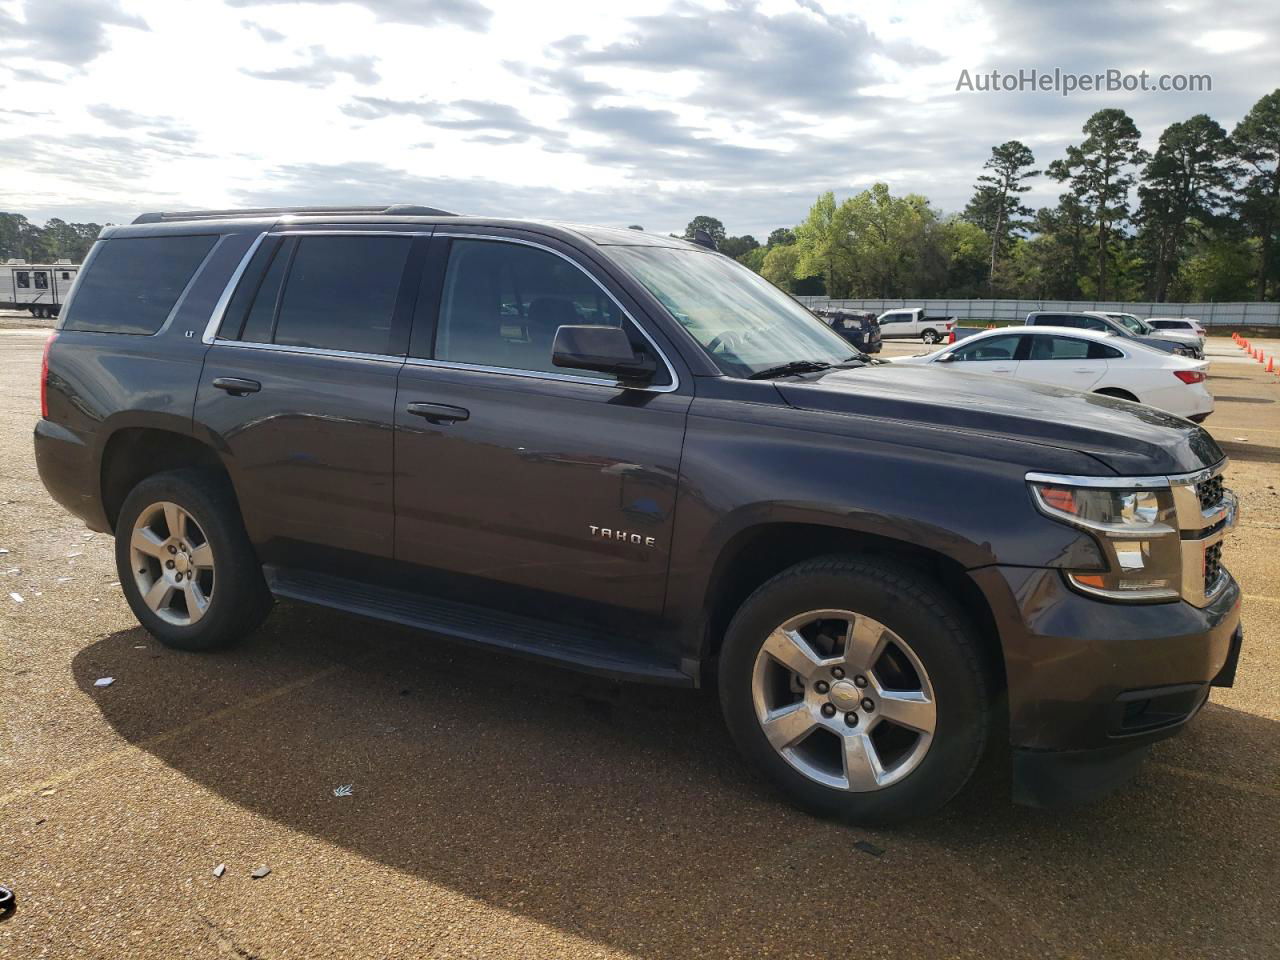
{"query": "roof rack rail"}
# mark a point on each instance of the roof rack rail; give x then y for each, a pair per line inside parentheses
(394, 210)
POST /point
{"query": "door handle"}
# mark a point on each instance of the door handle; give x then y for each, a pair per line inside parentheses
(1081, 370)
(237, 387)
(438, 412)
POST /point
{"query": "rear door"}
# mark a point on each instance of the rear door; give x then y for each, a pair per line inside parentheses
(512, 472)
(298, 390)
(1063, 361)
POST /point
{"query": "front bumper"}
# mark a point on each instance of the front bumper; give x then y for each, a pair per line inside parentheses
(1091, 684)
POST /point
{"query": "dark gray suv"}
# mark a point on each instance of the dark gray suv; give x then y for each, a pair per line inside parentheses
(631, 455)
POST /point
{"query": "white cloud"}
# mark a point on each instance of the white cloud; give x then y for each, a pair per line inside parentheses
(651, 111)
(1229, 41)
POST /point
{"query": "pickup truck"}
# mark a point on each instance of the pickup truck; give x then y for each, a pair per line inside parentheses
(631, 455)
(907, 323)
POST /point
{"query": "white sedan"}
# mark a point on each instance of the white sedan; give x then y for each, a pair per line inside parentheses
(1086, 360)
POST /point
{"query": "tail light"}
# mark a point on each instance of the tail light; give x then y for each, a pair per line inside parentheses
(951, 337)
(1190, 376)
(44, 376)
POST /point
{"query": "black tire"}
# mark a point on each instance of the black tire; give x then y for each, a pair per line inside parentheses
(910, 605)
(1117, 393)
(930, 336)
(238, 600)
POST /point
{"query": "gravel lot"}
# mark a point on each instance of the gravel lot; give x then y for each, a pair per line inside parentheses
(502, 809)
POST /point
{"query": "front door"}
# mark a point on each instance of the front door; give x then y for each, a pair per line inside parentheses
(995, 356)
(511, 471)
(299, 390)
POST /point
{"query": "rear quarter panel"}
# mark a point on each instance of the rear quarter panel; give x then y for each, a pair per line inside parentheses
(100, 383)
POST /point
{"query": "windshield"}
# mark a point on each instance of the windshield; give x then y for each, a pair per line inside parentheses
(744, 323)
(1132, 322)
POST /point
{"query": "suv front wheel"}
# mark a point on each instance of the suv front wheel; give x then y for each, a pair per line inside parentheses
(185, 563)
(855, 687)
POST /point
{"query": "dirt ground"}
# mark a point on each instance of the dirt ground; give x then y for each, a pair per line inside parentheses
(500, 809)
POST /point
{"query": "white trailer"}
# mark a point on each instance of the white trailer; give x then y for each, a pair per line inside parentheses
(38, 287)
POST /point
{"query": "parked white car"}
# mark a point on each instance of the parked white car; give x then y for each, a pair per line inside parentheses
(1179, 328)
(1148, 328)
(1085, 360)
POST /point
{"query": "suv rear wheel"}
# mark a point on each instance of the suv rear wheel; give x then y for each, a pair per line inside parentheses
(856, 688)
(186, 566)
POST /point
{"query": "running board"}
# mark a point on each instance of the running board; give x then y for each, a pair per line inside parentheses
(616, 657)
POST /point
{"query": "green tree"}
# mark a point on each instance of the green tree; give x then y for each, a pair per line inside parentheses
(890, 241)
(1257, 146)
(1100, 172)
(781, 237)
(736, 246)
(779, 266)
(754, 258)
(714, 228)
(1183, 185)
(822, 246)
(996, 206)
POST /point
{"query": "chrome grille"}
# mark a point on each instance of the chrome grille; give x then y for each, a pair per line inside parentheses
(1210, 492)
(1212, 565)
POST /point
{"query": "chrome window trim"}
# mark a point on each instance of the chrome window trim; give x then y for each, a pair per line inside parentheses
(311, 351)
(224, 299)
(543, 374)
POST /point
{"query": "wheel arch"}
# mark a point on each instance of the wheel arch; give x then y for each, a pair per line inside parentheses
(133, 453)
(758, 553)
(1118, 393)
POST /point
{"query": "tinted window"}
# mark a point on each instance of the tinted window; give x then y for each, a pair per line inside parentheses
(503, 302)
(1170, 324)
(341, 293)
(895, 318)
(133, 282)
(993, 348)
(1100, 351)
(1059, 348)
(42, 281)
(257, 322)
(24, 278)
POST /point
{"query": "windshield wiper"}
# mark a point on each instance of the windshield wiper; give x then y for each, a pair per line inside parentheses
(786, 369)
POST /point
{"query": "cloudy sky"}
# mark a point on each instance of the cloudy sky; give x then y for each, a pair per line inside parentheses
(649, 111)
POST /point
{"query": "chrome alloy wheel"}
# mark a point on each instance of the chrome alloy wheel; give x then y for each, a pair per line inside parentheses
(844, 700)
(172, 563)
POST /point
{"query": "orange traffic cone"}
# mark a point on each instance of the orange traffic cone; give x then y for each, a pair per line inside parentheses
(1271, 365)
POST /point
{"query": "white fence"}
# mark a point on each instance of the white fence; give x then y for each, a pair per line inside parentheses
(1015, 311)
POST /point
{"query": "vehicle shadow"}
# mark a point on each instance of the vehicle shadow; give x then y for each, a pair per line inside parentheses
(622, 814)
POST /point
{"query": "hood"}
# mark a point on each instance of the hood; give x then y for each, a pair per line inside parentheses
(1160, 343)
(1131, 439)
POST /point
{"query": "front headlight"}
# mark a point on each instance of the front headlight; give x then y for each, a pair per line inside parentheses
(1136, 529)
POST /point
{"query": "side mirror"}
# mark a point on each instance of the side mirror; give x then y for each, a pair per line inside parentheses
(946, 358)
(602, 349)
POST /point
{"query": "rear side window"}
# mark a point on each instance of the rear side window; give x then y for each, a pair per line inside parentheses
(326, 292)
(133, 282)
(1100, 351)
(1058, 348)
